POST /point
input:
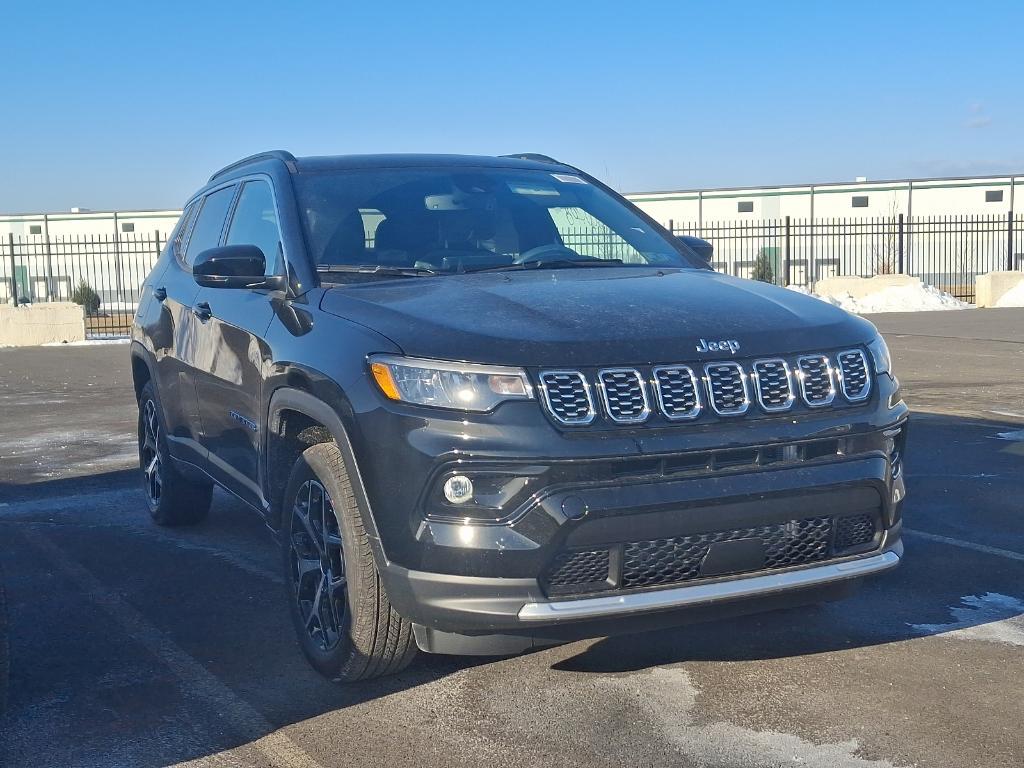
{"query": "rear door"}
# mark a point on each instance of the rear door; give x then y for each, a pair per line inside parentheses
(230, 373)
(175, 338)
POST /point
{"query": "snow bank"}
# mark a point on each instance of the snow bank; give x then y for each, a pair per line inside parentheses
(87, 342)
(905, 298)
(1013, 297)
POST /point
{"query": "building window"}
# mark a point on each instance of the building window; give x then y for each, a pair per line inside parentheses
(745, 206)
(993, 196)
(35, 229)
(127, 226)
(860, 201)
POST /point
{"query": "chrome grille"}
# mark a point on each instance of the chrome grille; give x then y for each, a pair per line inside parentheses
(727, 388)
(773, 384)
(624, 395)
(567, 396)
(817, 385)
(629, 396)
(677, 392)
(853, 375)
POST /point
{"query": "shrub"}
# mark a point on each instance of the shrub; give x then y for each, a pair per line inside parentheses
(86, 295)
(763, 269)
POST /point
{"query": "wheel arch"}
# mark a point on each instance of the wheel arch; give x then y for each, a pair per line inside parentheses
(296, 419)
(142, 368)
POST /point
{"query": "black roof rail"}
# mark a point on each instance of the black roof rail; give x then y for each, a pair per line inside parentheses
(534, 156)
(279, 154)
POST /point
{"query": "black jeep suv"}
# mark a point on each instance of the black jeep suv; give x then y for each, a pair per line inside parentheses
(487, 405)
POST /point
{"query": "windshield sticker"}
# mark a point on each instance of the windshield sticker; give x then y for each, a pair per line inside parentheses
(522, 189)
(568, 178)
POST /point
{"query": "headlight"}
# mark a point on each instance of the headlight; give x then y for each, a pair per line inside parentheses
(880, 354)
(459, 386)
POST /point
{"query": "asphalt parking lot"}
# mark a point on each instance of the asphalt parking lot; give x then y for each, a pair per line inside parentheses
(138, 646)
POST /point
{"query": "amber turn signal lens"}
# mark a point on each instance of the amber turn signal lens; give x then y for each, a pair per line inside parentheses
(382, 375)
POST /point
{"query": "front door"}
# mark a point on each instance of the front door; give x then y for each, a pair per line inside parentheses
(229, 377)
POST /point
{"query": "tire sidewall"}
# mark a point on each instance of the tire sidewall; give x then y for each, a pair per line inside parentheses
(149, 393)
(312, 465)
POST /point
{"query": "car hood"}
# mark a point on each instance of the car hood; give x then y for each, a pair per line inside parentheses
(600, 316)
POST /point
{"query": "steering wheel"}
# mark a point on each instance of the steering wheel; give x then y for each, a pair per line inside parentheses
(539, 253)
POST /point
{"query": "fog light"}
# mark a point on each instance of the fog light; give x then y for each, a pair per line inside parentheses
(458, 489)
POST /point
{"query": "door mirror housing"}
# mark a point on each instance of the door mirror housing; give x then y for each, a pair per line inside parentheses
(235, 266)
(704, 250)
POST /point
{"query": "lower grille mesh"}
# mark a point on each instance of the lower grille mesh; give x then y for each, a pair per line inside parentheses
(675, 560)
(669, 561)
(572, 571)
(854, 531)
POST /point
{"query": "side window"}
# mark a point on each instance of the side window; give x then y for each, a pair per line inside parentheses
(181, 230)
(206, 230)
(255, 223)
(591, 237)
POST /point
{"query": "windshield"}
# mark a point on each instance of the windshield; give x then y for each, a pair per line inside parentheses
(426, 221)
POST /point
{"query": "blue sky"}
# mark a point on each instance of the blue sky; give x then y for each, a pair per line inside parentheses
(121, 105)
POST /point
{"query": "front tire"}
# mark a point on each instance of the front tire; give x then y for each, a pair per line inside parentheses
(171, 497)
(344, 621)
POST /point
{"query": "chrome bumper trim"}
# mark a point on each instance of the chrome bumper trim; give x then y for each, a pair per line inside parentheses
(751, 586)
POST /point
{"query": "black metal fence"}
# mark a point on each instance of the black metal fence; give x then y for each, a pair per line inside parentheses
(104, 272)
(948, 252)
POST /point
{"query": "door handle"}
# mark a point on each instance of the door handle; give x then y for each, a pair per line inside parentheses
(160, 293)
(202, 311)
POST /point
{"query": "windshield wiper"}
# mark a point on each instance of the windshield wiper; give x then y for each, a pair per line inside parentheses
(553, 264)
(375, 269)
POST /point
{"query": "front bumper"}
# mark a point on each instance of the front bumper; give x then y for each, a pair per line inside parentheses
(620, 491)
(477, 616)
(532, 608)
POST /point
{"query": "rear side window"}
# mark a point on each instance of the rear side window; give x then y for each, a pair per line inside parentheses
(255, 223)
(210, 222)
(181, 230)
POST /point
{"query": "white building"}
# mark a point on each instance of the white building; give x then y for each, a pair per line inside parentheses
(981, 195)
(81, 222)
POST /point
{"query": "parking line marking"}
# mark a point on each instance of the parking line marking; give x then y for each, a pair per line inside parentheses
(1009, 554)
(245, 720)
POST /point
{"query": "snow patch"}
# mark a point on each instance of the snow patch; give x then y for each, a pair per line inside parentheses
(1013, 297)
(908, 298)
(669, 698)
(991, 617)
(88, 342)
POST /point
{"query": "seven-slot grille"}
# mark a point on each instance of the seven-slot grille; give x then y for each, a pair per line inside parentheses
(567, 395)
(853, 375)
(816, 383)
(774, 384)
(679, 392)
(624, 395)
(727, 388)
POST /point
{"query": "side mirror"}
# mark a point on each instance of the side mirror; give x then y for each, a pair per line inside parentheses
(704, 250)
(234, 266)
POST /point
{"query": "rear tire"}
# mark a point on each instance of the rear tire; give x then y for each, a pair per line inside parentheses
(172, 498)
(341, 612)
